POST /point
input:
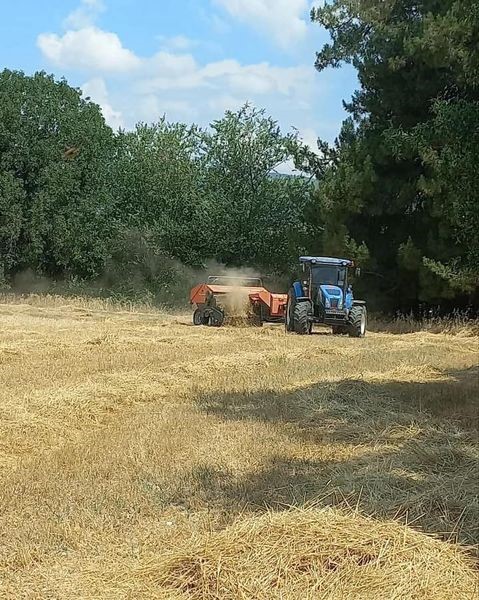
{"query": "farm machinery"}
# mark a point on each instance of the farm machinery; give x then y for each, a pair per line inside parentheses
(236, 298)
(323, 295)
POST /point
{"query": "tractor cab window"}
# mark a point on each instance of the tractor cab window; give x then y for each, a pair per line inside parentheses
(329, 275)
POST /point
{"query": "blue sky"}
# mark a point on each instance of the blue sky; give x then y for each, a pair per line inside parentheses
(190, 59)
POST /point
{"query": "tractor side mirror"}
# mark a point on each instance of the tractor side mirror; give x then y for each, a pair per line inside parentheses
(358, 272)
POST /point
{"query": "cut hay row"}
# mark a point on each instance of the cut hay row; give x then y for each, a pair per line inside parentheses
(316, 554)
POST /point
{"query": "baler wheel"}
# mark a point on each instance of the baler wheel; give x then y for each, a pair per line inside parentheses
(216, 321)
(199, 317)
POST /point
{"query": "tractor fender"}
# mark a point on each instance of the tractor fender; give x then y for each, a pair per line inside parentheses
(298, 291)
(359, 302)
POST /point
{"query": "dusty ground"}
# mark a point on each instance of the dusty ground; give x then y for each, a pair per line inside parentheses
(125, 436)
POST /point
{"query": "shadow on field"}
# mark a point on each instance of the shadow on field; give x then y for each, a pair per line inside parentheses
(394, 449)
(453, 396)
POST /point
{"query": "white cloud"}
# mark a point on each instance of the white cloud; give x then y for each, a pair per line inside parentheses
(219, 104)
(148, 108)
(170, 64)
(284, 20)
(260, 78)
(89, 48)
(177, 42)
(170, 71)
(85, 15)
(96, 89)
(175, 83)
(181, 72)
(178, 85)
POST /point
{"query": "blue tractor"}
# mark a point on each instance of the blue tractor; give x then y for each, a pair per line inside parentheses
(323, 295)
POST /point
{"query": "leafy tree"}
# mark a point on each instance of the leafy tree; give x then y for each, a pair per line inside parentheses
(448, 147)
(256, 215)
(448, 144)
(159, 190)
(12, 198)
(374, 191)
(55, 156)
(76, 200)
(212, 194)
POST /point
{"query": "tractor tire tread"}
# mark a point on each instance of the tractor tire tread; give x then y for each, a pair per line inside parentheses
(355, 321)
(302, 325)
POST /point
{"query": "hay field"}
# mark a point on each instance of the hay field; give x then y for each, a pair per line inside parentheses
(141, 457)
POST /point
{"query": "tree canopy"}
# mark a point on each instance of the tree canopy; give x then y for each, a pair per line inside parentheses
(55, 158)
(401, 186)
(79, 201)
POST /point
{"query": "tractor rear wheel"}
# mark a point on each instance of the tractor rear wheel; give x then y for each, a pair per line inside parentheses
(358, 320)
(302, 324)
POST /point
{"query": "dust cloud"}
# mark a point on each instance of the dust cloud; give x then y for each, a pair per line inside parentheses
(235, 304)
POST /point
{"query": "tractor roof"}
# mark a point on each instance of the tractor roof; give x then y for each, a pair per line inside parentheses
(326, 260)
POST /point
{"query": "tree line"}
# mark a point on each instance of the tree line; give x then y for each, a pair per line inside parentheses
(397, 191)
(400, 186)
(81, 202)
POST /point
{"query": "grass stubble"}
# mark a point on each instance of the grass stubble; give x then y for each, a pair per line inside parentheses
(141, 457)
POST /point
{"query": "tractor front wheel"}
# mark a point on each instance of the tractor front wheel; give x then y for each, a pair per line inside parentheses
(302, 324)
(339, 330)
(358, 320)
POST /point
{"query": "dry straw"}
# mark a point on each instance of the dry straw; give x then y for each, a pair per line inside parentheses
(317, 554)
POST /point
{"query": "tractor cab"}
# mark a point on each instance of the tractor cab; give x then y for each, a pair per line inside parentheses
(325, 281)
(323, 295)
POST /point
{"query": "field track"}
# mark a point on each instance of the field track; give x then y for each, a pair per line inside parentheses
(142, 457)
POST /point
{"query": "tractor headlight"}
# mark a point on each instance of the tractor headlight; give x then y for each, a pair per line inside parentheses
(327, 303)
